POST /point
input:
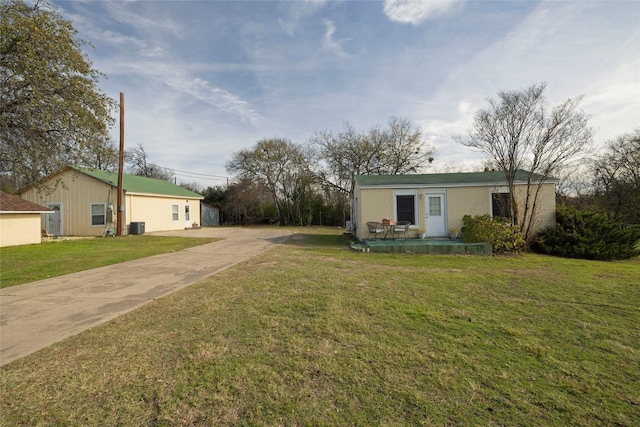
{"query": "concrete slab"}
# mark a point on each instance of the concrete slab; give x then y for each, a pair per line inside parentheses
(427, 246)
(36, 315)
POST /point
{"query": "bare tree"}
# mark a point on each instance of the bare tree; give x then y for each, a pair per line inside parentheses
(137, 158)
(396, 150)
(617, 177)
(283, 168)
(245, 201)
(518, 131)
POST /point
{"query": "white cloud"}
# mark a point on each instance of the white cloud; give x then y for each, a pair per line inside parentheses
(415, 12)
(297, 11)
(142, 22)
(213, 95)
(613, 102)
(544, 47)
(442, 122)
(221, 75)
(330, 44)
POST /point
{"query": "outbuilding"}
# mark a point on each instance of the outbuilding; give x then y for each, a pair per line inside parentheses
(20, 221)
(84, 203)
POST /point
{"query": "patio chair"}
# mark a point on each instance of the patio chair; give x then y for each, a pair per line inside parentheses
(401, 227)
(375, 228)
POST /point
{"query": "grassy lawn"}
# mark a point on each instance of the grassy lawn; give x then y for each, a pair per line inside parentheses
(23, 264)
(310, 333)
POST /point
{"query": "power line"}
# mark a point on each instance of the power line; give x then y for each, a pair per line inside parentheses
(196, 173)
(182, 176)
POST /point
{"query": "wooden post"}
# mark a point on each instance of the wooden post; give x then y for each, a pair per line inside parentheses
(119, 227)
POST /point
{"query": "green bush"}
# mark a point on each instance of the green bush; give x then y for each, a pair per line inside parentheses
(588, 235)
(504, 237)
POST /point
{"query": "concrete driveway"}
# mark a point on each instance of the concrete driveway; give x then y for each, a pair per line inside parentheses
(36, 315)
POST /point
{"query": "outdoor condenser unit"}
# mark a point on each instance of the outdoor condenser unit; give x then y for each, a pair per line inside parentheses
(136, 228)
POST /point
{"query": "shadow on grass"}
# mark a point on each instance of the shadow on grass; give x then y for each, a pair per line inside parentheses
(338, 241)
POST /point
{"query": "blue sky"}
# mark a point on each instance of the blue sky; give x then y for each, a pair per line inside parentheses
(204, 79)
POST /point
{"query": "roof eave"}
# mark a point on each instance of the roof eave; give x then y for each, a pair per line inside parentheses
(26, 212)
(456, 185)
(175, 196)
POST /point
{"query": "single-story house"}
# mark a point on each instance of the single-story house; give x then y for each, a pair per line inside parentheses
(84, 202)
(20, 221)
(436, 203)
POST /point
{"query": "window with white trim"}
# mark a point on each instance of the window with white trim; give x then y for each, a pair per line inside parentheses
(175, 212)
(406, 207)
(98, 214)
(500, 205)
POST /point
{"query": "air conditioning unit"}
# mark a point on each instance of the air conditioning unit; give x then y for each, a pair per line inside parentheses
(136, 228)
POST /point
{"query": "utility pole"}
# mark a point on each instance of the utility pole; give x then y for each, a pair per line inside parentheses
(120, 167)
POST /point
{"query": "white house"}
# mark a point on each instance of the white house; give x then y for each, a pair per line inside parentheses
(84, 203)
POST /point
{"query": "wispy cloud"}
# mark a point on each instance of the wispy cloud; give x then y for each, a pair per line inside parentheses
(136, 56)
(614, 101)
(415, 12)
(330, 44)
(215, 96)
(220, 75)
(119, 11)
(297, 11)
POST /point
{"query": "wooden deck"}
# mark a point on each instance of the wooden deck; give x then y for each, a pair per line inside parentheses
(422, 246)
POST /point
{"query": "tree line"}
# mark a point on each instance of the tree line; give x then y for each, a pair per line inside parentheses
(53, 113)
(302, 180)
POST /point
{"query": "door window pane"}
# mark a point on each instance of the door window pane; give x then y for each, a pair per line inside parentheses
(435, 206)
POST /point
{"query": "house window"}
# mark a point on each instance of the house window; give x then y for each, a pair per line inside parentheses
(406, 208)
(500, 205)
(98, 214)
(175, 212)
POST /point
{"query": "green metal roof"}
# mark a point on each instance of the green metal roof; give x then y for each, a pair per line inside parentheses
(445, 179)
(141, 184)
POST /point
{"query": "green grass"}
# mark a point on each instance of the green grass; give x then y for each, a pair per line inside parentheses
(23, 264)
(310, 333)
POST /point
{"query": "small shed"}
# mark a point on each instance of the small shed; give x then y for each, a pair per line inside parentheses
(210, 215)
(20, 221)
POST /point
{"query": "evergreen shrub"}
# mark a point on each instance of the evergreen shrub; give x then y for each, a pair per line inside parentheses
(588, 235)
(503, 236)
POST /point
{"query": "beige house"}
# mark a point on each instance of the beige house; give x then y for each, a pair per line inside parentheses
(436, 203)
(20, 221)
(84, 203)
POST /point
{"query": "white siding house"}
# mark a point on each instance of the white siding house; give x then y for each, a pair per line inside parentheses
(84, 202)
